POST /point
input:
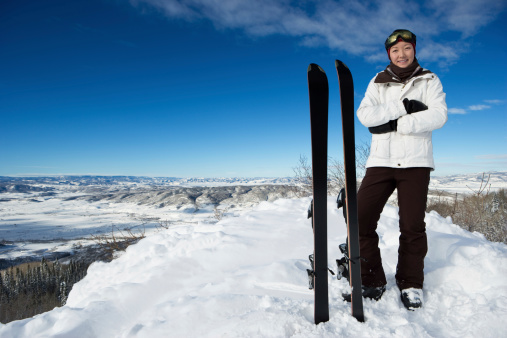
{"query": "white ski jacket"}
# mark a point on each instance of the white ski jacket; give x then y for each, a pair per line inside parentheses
(411, 145)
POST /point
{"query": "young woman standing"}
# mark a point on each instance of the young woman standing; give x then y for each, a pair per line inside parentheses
(402, 106)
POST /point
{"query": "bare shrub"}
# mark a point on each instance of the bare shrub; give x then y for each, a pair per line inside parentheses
(118, 240)
(336, 172)
(303, 178)
(163, 224)
(219, 212)
(362, 154)
(443, 203)
(336, 176)
(482, 211)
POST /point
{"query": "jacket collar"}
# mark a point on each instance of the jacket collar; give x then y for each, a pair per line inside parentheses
(388, 76)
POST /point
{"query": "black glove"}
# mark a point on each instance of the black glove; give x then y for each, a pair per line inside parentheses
(385, 128)
(413, 106)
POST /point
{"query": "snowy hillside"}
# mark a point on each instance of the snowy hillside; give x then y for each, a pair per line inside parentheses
(55, 220)
(245, 276)
(470, 182)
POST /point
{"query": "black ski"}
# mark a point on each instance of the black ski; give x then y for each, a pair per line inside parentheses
(350, 205)
(319, 99)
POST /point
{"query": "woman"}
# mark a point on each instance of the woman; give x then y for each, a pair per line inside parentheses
(402, 106)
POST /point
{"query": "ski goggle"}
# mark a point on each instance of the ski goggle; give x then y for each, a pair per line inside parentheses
(404, 34)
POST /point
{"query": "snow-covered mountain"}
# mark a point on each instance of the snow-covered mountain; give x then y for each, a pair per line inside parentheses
(40, 219)
(20, 184)
(460, 183)
(471, 182)
(51, 215)
(245, 276)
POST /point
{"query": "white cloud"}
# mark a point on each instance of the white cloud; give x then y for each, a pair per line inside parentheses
(494, 101)
(476, 107)
(466, 16)
(456, 111)
(357, 27)
(492, 157)
(479, 107)
(443, 54)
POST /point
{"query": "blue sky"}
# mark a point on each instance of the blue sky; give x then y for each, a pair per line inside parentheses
(217, 88)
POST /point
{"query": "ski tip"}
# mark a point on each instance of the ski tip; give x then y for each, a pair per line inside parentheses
(338, 63)
(314, 66)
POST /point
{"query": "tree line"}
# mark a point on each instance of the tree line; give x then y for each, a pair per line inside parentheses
(27, 290)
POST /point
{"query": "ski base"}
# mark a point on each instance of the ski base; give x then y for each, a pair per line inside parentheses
(349, 199)
(319, 99)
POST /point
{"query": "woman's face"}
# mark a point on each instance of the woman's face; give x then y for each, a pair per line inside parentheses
(402, 54)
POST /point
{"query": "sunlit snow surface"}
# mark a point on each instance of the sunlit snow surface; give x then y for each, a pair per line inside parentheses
(56, 224)
(245, 276)
(47, 221)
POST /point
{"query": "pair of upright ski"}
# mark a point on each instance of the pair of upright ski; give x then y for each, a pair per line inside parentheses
(319, 100)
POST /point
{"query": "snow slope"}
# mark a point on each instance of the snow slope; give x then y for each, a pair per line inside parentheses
(245, 276)
(470, 183)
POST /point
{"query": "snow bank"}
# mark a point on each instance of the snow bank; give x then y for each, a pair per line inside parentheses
(246, 277)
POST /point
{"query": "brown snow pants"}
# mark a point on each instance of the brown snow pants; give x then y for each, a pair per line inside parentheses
(376, 187)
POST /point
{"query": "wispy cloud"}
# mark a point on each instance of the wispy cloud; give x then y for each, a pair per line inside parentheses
(357, 27)
(479, 107)
(492, 157)
(494, 101)
(465, 17)
(493, 161)
(476, 107)
(456, 111)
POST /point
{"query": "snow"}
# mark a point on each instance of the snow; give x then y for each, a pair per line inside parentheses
(470, 183)
(413, 297)
(57, 224)
(245, 276)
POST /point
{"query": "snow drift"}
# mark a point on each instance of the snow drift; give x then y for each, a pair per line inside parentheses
(246, 276)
